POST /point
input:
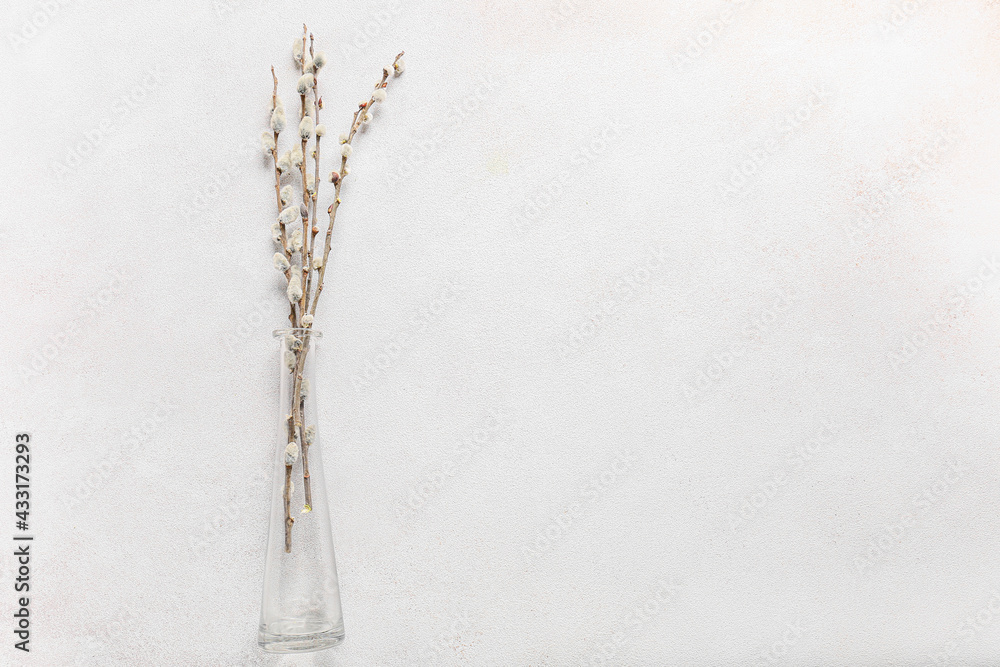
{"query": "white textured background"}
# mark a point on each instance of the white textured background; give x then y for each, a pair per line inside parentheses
(664, 268)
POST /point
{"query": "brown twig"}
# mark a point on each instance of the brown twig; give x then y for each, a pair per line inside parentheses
(303, 169)
(304, 448)
(277, 194)
(297, 411)
(288, 509)
(355, 123)
(317, 105)
(307, 266)
(305, 269)
(291, 314)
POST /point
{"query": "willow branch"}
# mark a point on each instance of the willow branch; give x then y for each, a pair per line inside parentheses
(355, 124)
(318, 104)
(287, 495)
(277, 193)
(297, 417)
(303, 170)
(300, 354)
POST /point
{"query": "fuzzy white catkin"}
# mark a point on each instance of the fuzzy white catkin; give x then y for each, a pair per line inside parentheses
(278, 104)
(267, 141)
(286, 194)
(307, 320)
(306, 127)
(276, 233)
(320, 130)
(343, 137)
(319, 61)
(289, 214)
(297, 49)
(289, 360)
(304, 83)
(399, 67)
(284, 162)
(291, 453)
(295, 242)
(379, 95)
(368, 118)
(281, 262)
(310, 434)
(311, 184)
(294, 290)
(317, 263)
(293, 343)
(310, 109)
(296, 155)
(278, 121)
(304, 389)
(309, 66)
(346, 150)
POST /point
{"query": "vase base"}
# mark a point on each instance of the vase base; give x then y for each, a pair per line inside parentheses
(294, 640)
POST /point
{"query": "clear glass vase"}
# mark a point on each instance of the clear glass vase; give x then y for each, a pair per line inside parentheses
(300, 607)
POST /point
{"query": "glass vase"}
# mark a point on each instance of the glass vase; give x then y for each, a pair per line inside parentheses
(300, 607)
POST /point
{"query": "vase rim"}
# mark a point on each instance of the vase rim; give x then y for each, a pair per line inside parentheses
(314, 333)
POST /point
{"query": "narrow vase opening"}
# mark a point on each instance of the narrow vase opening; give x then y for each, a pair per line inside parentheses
(298, 331)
